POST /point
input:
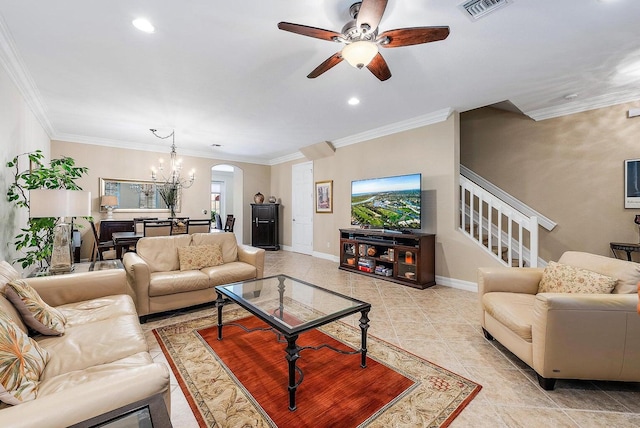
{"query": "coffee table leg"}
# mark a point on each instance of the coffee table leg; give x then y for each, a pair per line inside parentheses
(364, 326)
(219, 305)
(292, 355)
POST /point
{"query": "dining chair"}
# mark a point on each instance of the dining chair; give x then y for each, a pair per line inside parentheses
(218, 222)
(138, 224)
(100, 247)
(198, 226)
(157, 227)
(231, 221)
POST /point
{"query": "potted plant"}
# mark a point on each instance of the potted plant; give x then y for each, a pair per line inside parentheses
(36, 240)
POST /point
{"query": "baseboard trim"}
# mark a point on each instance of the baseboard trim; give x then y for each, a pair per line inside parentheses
(440, 280)
(457, 283)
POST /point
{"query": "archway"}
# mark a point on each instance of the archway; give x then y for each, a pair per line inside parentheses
(227, 182)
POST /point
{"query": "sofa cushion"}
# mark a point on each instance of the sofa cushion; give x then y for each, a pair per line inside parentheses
(102, 308)
(164, 283)
(93, 343)
(22, 362)
(161, 252)
(227, 241)
(194, 257)
(627, 273)
(229, 272)
(513, 310)
(34, 311)
(561, 278)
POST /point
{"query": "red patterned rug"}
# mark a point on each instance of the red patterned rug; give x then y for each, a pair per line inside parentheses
(242, 381)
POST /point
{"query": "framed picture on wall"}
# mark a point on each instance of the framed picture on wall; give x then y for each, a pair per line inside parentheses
(632, 183)
(324, 196)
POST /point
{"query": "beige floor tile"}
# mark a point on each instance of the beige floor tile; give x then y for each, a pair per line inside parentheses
(586, 419)
(526, 417)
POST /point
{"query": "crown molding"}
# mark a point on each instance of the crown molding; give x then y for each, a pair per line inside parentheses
(12, 62)
(579, 107)
(394, 128)
(286, 158)
(81, 139)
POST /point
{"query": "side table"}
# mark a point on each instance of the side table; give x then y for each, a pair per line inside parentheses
(623, 246)
(81, 267)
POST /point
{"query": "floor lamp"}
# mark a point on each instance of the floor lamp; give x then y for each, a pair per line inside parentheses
(60, 203)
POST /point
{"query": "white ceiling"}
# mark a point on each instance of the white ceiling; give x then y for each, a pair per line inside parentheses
(222, 73)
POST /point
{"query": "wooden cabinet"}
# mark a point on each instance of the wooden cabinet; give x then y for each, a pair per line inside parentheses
(407, 259)
(107, 227)
(265, 226)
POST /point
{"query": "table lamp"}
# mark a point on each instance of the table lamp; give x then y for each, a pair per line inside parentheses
(109, 202)
(60, 203)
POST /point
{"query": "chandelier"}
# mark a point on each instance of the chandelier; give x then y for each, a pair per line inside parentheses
(172, 179)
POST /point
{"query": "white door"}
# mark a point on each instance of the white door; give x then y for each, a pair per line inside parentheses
(302, 207)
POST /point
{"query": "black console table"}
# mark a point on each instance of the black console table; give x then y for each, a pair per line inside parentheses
(626, 247)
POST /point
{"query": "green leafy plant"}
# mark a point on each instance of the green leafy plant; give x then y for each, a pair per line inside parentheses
(169, 194)
(36, 240)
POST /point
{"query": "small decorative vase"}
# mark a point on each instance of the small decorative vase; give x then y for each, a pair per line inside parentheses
(272, 199)
(258, 198)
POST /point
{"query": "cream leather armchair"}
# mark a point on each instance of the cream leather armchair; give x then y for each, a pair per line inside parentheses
(565, 335)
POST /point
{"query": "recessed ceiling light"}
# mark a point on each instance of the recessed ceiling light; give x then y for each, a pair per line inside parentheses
(144, 25)
(353, 101)
(570, 97)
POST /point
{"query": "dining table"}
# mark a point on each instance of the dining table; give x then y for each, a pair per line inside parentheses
(125, 240)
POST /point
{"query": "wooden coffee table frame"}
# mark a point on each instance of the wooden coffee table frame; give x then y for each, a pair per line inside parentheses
(225, 295)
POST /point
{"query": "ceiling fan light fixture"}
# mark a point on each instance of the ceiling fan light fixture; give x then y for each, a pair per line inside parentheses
(359, 54)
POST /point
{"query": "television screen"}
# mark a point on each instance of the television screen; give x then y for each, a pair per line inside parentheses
(387, 203)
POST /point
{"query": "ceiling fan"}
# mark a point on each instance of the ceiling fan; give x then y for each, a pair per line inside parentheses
(361, 39)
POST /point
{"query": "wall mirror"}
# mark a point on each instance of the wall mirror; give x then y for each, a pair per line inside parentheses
(134, 195)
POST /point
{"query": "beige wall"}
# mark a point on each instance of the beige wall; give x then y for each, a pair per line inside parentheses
(20, 132)
(136, 164)
(569, 168)
(431, 150)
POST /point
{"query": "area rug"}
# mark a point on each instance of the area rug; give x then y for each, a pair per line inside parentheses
(241, 381)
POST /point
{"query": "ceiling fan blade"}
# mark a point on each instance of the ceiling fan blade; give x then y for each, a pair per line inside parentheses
(370, 13)
(378, 66)
(304, 30)
(333, 60)
(413, 36)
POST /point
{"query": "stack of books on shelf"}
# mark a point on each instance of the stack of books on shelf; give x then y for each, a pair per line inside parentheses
(383, 270)
(366, 265)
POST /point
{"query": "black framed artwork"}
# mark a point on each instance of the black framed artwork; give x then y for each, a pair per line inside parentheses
(632, 183)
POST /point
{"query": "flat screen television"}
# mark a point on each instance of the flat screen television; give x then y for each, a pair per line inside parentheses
(390, 203)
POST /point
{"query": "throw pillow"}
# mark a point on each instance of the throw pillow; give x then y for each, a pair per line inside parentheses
(194, 257)
(22, 362)
(561, 278)
(34, 311)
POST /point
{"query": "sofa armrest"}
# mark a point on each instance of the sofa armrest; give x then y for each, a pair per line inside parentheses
(89, 399)
(254, 256)
(514, 280)
(585, 336)
(139, 279)
(59, 290)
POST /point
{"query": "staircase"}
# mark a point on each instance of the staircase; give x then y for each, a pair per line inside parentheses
(505, 232)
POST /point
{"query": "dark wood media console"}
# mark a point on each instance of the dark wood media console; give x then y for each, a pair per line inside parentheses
(405, 258)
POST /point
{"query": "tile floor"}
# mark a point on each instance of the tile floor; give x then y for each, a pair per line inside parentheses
(441, 325)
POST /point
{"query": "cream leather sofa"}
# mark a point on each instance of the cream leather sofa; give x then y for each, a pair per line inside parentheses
(158, 284)
(100, 363)
(564, 335)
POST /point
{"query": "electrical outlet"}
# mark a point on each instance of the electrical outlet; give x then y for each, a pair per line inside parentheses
(328, 244)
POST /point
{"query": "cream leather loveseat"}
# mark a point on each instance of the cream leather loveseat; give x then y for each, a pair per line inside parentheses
(566, 335)
(100, 363)
(158, 283)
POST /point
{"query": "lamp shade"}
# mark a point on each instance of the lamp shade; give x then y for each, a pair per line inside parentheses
(109, 201)
(59, 203)
(359, 54)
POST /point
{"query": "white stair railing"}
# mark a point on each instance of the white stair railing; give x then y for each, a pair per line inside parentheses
(509, 235)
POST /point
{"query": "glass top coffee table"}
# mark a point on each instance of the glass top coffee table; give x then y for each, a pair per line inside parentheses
(291, 307)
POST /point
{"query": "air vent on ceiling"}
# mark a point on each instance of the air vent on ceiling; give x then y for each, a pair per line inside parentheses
(476, 9)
